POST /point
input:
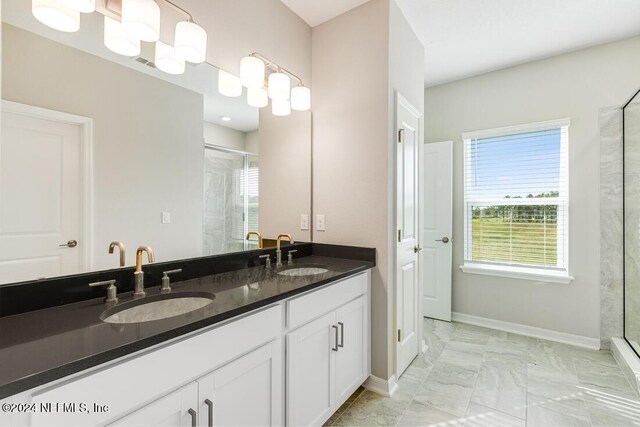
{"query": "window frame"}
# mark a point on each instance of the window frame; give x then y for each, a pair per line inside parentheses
(554, 275)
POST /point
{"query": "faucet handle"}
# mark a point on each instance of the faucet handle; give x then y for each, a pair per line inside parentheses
(166, 281)
(267, 258)
(111, 290)
(290, 256)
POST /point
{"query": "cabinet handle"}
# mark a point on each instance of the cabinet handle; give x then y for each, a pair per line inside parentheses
(194, 421)
(210, 405)
(336, 330)
(341, 334)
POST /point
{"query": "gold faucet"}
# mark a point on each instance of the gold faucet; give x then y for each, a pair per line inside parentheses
(120, 246)
(256, 233)
(280, 238)
(138, 287)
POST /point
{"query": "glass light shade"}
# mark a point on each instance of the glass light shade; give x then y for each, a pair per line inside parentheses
(257, 97)
(252, 72)
(228, 84)
(191, 42)
(141, 19)
(84, 6)
(301, 98)
(280, 107)
(279, 86)
(55, 15)
(117, 40)
(167, 60)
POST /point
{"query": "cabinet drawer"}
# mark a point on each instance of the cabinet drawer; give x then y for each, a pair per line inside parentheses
(128, 385)
(313, 305)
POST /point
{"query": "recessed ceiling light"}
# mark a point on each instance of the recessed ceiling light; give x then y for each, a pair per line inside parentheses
(225, 118)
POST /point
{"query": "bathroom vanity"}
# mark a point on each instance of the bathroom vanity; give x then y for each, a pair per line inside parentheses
(273, 347)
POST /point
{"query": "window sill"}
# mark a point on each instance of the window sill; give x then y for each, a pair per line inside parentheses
(517, 273)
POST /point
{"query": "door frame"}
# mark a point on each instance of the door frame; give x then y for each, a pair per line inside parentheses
(86, 169)
(401, 100)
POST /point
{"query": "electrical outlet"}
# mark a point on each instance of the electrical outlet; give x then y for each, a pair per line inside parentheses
(320, 223)
(304, 222)
(166, 217)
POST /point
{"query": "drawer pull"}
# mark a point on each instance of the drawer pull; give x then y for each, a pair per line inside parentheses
(341, 334)
(210, 405)
(194, 418)
(335, 328)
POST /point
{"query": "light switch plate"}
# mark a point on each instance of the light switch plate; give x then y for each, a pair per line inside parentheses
(166, 217)
(320, 223)
(304, 222)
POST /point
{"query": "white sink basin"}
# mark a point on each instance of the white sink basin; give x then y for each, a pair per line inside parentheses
(302, 271)
(157, 307)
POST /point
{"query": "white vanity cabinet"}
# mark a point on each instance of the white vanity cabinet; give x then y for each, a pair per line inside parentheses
(233, 374)
(328, 358)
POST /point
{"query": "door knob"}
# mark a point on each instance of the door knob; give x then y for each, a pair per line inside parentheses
(443, 240)
(417, 249)
(70, 244)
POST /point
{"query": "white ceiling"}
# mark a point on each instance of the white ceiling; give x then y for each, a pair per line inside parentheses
(463, 38)
(315, 12)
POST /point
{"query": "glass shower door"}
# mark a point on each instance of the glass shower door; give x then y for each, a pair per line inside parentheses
(224, 202)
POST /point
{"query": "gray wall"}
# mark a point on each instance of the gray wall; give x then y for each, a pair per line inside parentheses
(574, 85)
(147, 138)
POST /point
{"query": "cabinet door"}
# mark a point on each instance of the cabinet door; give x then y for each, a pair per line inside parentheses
(246, 392)
(351, 358)
(175, 409)
(311, 352)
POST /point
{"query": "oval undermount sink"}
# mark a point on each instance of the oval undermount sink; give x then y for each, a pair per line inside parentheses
(303, 271)
(157, 307)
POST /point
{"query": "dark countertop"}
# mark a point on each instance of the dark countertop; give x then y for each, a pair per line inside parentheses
(44, 345)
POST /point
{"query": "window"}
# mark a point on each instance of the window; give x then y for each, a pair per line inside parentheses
(516, 201)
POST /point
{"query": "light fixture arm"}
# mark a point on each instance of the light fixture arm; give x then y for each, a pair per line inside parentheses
(274, 66)
(170, 3)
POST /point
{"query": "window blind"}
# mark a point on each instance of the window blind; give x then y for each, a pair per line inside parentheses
(516, 196)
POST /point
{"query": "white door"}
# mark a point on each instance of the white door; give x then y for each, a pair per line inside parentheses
(178, 408)
(407, 295)
(245, 392)
(311, 356)
(351, 357)
(41, 171)
(436, 221)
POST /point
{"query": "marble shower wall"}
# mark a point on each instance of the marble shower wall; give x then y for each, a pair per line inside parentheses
(611, 217)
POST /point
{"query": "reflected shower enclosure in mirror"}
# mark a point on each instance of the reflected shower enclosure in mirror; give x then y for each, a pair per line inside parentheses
(97, 148)
(631, 132)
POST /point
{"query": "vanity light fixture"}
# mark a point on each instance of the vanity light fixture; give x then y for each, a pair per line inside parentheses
(279, 86)
(54, 14)
(228, 84)
(118, 40)
(191, 42)
(257, 98)
(252, 72)
(83, 6)
(280, 107)
(167, 60)
(301, 98)
(141, 19)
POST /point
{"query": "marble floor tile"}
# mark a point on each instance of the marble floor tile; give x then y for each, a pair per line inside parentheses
(448, 388)
(478, 415)
(419, 414)
(472, 376)
(501, 389)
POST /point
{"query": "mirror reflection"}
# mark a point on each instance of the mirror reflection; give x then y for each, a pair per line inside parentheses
(100, 152)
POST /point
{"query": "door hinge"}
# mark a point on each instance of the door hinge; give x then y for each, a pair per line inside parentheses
(399, 335)
(399, 236)
(400, 133)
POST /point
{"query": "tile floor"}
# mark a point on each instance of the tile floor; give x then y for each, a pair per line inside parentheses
(472, 376)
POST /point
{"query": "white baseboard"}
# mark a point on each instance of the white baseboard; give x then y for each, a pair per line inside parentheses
(385, 388)
(530, 331)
